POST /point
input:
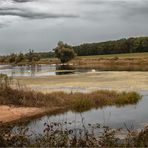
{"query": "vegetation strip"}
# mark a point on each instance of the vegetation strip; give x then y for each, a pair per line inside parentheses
(56, 134)
(74, 101)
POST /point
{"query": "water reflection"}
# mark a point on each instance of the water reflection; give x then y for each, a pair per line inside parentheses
(116, 117)
(37, 70)
(64, 69)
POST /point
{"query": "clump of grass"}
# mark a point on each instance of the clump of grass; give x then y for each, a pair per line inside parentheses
(127, 98)
(82, 104)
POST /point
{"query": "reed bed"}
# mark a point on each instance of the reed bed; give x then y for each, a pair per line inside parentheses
(74, 101)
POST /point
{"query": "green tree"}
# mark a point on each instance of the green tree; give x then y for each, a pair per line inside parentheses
(29, 55)
(19, 58)
(64, 52)
(11, 58)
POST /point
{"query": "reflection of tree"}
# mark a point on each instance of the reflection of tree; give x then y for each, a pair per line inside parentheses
(32, 70)
(22, 70)
(13, 72)
(64, 69)
(38, 68)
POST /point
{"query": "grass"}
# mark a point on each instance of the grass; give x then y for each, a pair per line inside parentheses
(82, 102)
(125, 55)
(55, 135)
(114, 62)
(73, 101)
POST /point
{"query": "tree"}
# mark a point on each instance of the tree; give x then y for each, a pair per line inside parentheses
(11, 58)
(29, 55)
(19, 58)
(64, 52)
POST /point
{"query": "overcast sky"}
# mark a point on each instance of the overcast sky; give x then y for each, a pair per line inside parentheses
(40, 24)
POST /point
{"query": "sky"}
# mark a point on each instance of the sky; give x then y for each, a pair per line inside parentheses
(40, 24)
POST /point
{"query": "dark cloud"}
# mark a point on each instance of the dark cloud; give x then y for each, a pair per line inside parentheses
(32, 15)
(22, 1)
(20, 9)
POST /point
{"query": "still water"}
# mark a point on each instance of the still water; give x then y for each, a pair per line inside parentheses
(135, 116)
(39, 70)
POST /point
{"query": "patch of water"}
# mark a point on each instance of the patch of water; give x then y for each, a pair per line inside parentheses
(39, 70)
(131, 116)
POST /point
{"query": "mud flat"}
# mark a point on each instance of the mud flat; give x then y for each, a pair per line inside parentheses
(12, 113)
(120, 81)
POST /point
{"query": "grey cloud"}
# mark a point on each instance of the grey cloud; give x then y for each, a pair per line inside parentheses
(137, 10)
(22, 1)
(32, 15)
(18, 8)
(91, 21)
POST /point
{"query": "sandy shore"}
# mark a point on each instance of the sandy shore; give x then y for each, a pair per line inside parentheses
(12, 113)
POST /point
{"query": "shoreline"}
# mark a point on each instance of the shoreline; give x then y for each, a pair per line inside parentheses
(84, 82)
(87, 82)
(23, 114)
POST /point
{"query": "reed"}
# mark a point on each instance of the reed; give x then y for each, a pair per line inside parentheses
(73, 101)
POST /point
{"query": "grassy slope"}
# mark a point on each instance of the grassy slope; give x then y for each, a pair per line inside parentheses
(127, 55)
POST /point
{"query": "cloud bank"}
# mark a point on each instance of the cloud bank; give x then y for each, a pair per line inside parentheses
(73, 21)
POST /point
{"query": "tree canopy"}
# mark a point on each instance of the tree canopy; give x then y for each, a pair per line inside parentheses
(64, 52)
(130, 45)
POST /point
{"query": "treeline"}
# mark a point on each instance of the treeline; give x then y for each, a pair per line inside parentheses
(18, 58)
(131, 45)
(29, 57)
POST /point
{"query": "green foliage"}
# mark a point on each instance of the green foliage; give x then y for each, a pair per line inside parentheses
(127, 98)
(12, 58)
(31, 56)
(64, 52)
(130, 45)
(80, 105)
(20, 58)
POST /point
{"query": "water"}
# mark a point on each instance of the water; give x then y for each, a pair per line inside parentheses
(52, 69)
(39, 70)
(135, 116)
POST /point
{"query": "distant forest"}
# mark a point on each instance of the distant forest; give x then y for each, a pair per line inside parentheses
(131, 45)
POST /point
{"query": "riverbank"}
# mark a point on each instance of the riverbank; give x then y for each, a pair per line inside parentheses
(112, 62)
(13, 113)
(16, 104)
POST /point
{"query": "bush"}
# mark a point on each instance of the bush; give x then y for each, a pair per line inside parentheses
(127, 98)
(64, 53)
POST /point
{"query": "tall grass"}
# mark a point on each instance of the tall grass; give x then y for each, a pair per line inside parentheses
(74, 101)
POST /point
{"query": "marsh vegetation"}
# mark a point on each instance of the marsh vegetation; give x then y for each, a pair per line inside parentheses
(74, 101)
(56, 135)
